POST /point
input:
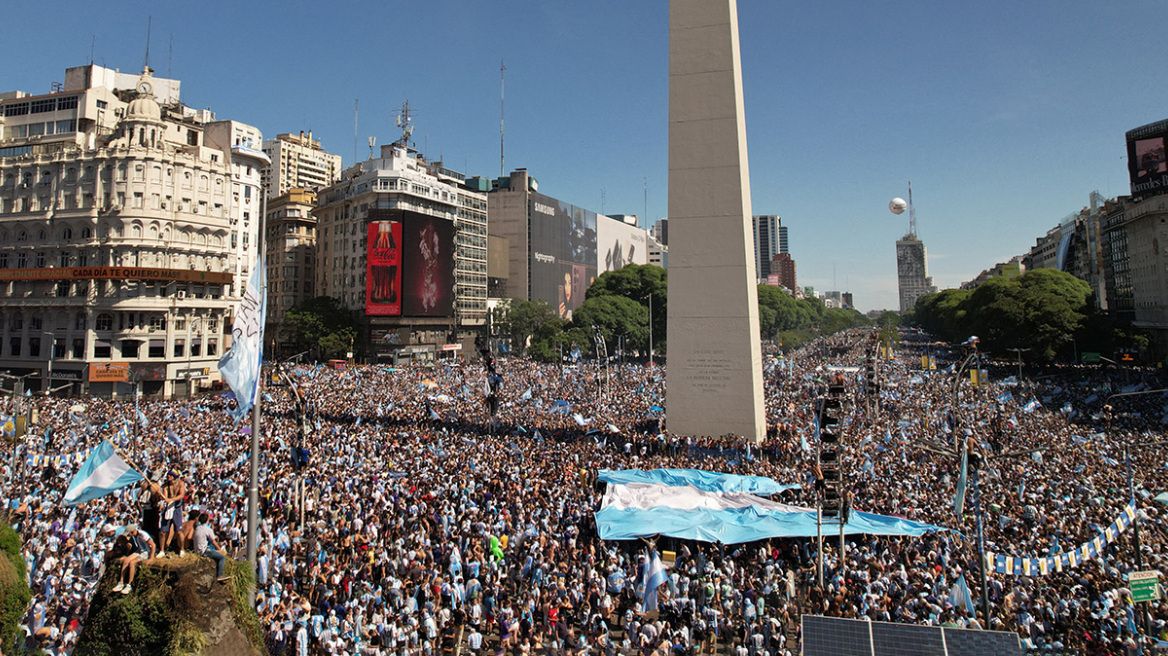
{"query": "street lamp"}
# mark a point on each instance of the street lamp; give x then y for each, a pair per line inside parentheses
(1019, 352)
(650, 297)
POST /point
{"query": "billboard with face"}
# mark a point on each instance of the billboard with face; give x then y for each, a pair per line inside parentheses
(563, 253)
(618, 244)
(425, 279)
(1146, 159)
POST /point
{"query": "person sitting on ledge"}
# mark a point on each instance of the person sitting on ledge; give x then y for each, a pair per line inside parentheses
(141, 550)
(204, 544)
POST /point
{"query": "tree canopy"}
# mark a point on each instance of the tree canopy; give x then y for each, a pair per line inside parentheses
(321, 326)
(1044, 310)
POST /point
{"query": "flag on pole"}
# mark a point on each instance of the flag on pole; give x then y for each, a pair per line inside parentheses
(103, 472)
(241, 365)
(172, 437)
(655, 577)
(959, 498)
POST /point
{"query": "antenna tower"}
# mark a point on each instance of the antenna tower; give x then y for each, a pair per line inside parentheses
(502, 111)
(912, 213)
(146, 65)
(403, 118)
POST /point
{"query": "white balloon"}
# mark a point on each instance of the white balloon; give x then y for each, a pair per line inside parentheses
(897, 206)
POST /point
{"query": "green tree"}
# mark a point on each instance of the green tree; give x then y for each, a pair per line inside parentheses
(527, 320)
(322, 326)
(615, 316)
(639, 282)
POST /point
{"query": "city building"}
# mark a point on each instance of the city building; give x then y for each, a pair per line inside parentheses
(784, 267)
(403, 241)
(128, 226)
(290, 250)
(766, 243)
(847, 301)
(1133, 231)
(298, 162)
(1074, 246)
(1007, 270)
(555, 249)
(658, 253)
(912, 271)
(660, 232)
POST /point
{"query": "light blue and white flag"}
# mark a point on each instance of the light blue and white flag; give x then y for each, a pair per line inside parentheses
(1005, 396)
(102, 473)
(959, 595)
(526, 395)
(172, 437)
(241, 365)
(655, 577)
(959, 497)
(1030, 406)
(581, 420)
(698, 505)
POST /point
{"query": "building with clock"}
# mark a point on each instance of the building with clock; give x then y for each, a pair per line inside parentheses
(128, 228)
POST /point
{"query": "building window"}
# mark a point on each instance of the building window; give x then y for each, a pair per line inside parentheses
(157, 349)
(34, 347)
(101, 349)
(79, 348)
(14, 346)
(158, 322)
(130, 348)
(104, 321)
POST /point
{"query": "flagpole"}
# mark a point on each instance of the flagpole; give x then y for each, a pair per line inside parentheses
(253, 491)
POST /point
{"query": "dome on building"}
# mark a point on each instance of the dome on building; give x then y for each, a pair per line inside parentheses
(144, 108)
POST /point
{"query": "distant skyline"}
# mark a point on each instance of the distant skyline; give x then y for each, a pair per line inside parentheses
(1004, 115)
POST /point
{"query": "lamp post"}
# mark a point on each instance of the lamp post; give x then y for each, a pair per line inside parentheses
(1019, 352)
(650, 297)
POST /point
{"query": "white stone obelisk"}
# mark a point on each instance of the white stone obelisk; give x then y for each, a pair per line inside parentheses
(715, 359)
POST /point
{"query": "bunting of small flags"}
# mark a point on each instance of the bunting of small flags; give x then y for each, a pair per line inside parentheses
(1094, 548)
(58, 460)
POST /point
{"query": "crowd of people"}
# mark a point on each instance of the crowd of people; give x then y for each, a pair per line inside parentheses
(420, 523)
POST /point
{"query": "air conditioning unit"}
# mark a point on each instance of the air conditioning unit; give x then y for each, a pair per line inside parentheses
(182, 294)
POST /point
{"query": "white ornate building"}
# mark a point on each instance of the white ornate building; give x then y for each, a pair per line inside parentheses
(128, 227)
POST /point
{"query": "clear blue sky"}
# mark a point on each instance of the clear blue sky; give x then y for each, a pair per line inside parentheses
(1003, 114)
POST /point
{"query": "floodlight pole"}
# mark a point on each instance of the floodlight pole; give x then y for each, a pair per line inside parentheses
(819, 542)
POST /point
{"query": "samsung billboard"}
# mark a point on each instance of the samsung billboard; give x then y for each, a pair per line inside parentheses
(1146, 160)
(563, 253)
(409, 265)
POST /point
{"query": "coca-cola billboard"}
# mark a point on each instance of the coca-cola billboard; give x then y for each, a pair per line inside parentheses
(383, 269)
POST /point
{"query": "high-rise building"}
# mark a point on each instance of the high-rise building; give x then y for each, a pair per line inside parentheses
(783, 245)
(403, 241)
(290, 247)
(553, 244)
(298, 162)
(767, 242)
(912, 271)
(1133, 231)
(660, 232)
(128, 229)
(784, 266)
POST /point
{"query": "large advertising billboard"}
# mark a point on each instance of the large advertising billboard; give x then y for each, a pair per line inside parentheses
(424, 281)
(1146, 159)
(563, 253)
(618, 244)
(383, 269)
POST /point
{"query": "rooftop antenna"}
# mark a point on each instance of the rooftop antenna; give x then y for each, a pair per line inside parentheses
(170, 54)
(645, 181)
(912, 213)
(602, 200)
(356, 104)
(146, 65)
(372, 141)
(502, 111)
(403, 119)
(92, 44)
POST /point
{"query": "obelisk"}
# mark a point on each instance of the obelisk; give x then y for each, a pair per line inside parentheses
(715, 359)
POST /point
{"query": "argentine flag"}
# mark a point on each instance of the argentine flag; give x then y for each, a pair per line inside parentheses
(691, 504)
(103, 472)
(241, 365)
(655, 577)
